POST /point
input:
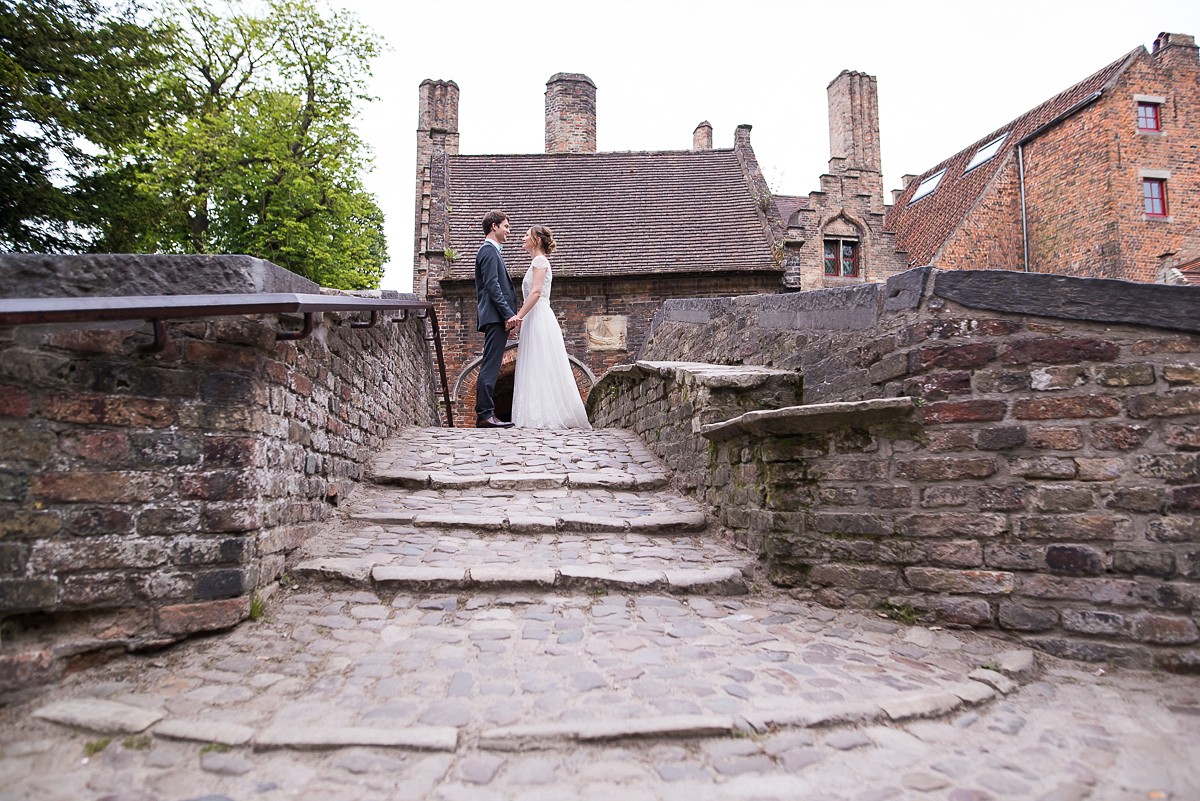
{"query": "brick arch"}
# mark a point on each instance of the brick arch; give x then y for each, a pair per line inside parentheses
(462, 394)
(862, 230)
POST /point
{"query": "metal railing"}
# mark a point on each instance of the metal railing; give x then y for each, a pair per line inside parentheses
(157, 309)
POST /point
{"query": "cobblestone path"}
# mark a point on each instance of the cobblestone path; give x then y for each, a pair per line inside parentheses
(437, 659)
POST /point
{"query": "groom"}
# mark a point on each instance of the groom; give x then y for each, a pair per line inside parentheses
(497, 300)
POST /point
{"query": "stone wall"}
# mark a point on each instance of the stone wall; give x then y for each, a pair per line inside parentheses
(147, 496)
(980, 448)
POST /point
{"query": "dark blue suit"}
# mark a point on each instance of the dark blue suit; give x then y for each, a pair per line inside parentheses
(497, 301)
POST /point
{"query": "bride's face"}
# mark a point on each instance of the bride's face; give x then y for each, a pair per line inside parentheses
(527, 242)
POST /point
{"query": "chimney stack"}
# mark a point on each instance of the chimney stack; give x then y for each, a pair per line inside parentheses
(854, 121)
(438, 107)
(570, 114)
(702, 136)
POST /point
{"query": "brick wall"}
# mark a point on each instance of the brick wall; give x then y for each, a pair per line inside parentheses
(1046, 481)
(144, 497)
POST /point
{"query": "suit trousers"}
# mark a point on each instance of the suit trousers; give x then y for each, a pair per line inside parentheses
(494, 340)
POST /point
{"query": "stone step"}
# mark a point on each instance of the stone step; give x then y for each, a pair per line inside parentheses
(367, 573)
(530, 509)
(524, 480)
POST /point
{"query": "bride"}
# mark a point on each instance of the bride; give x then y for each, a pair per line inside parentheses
(544, 391)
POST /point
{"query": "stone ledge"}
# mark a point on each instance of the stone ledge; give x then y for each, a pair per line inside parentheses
(305, 738)
(204, 731)
(541, 735)
(715, 376)
(812, 418)
(94, 714)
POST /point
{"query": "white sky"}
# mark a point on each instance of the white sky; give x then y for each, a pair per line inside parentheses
(949, 72)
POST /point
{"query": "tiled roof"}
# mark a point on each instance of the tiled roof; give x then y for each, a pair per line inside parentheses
(614, 214)
(789, 205)
(923, 227)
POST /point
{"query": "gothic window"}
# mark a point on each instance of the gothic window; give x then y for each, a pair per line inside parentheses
(1148, 117)
(1154, 194)
(841, 257)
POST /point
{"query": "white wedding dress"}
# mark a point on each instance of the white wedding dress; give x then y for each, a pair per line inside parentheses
(544, 391)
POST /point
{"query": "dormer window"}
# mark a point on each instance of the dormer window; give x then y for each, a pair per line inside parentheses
(927, 186)
(986, 152)
(1149, 112)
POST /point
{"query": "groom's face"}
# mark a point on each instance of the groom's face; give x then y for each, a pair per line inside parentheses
(501, 231)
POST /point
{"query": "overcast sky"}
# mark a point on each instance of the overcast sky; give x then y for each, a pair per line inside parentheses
(949, 72)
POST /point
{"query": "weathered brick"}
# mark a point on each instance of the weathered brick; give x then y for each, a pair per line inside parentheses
(14, 486)
(1045, 467)
(208, 616)
(982, 582)
(1066, 408)
(1144, 563)
(963, 357)
(1125, 375)
(945, 496)
(1001, 438)
(1056, 439)
(847, 523)
(958, 611)
(1181, 528)
(1181, 373)
(109, 410)
(26, 594)
(108, 447)
(934, 386)
(836, 496)
(1119, 592)
(1048, 379)
(1059, 350)
(900, 551)
(168, 449)
(945, 468)
(952, 524)
(1173, 468)
(1184, 499)
(231, 451)
(1182, 437)
(97, 553)
(1014, 556)
(89, 521)
(1059, 498)
(950, 440)
(854, 576)
(1137, 499)
(221, 584)
(13, 556)
(973, 411)
(1100, 469)
(1164, 629)
(956, 554)
(1150, 347)
(173, 519)
(23, 443)
(101, 487)
(14, 401)
(1074, 527)
(1167, 404)
(1074, 560)
(1094, 621)
(1118, 436)
(1189, 564)
(220, 485)
(1008, 498)
(893, 497)
(92, 590)
(24, 669)
(220, 356)
(850, 470)
(1002, 381)
(1019, 617)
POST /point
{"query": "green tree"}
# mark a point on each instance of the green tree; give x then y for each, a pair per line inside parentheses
(75, 81)
(257, 153)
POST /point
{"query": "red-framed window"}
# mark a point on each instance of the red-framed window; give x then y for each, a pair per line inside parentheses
(1154, 193)
(1148, 117)
(841, 257)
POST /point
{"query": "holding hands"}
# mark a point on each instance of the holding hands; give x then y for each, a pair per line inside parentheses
(513, 323)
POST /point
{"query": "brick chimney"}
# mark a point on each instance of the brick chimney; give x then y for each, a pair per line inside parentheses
(437, 138)
(570, 114)
(1176, 50)
(702, 136)
(854, 133)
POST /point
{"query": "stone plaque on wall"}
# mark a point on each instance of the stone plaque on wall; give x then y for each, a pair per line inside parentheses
(606, 331)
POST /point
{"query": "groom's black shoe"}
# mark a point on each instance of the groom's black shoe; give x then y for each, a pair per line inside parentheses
(491, 422)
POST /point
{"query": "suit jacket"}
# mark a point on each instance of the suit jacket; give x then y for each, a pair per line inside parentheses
(494, 291)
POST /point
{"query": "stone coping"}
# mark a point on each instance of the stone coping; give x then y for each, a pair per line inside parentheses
(810, 418)
(715, 376)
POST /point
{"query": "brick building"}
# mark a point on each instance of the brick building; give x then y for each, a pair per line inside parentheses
(635, 228)
(1102, 180)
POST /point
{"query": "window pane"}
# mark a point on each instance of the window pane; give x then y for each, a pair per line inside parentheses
(1148, 116)
(1154, 194)
(831, 254)
(849, 258)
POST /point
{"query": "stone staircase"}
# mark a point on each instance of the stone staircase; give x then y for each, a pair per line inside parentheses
(495, 510)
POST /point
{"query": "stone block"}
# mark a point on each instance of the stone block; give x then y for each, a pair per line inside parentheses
(1182, 437)
(1119, 592)
(1184, 499)
(1101, 469)
(969, 411)
(1015, 556)
(956, 554)
(958, 611)
(14, 401)
(25, 524)
(1002, 499)
(843, 523)
(220, 485)
(1164, 629)
(935, 386)
(1020, 617)
(1066, 408)
(1002, 438)
(184, 619)
(222, 584)
(101, 487)
(24, 594)
(1059, 350)
(1125, 375)
(938, 496)
(231, 517)
(20, 670)
(1054, 498)
(1075, 560)
(1174, 403)
(1074, 527)
(1119, 436)
(854, 576)
(945, 468)
(949, 440)
(952, 524)
(1173, 468)
(1137, 499)
(1047, 379)
(1181, 373)
(961, 357)
(1160, 564)
(982, 582)
(1095, 621)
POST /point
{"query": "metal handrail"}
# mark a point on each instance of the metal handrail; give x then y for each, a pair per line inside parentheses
(157, 309)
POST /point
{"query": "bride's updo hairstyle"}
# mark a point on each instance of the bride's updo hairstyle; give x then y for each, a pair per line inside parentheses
(544, 238)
